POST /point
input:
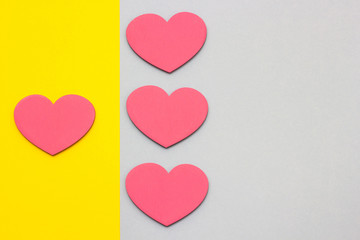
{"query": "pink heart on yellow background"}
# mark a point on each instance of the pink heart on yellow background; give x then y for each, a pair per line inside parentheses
(54, 127)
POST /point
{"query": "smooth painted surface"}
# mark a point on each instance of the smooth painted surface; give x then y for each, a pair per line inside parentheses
(54, 48)
(280, 145)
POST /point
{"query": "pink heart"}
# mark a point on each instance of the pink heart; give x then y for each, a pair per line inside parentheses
(167, 197)
(167, 119)
(54, 127)
(167, 45)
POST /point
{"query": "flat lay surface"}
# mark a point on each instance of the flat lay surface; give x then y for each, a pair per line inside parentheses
(280, 145)
(56, 48)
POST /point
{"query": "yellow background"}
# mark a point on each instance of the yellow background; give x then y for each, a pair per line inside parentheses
(54, 48)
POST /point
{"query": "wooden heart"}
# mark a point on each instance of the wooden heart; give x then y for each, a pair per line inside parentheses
(167, 197)
(167, 45)
(54, 127)
(167, 119)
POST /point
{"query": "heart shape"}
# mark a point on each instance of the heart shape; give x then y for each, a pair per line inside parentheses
(166, 45)
(54, 127)
(167, 119)
(167, 197)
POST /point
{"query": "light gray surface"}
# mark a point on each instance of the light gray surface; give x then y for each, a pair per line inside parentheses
(281, 142)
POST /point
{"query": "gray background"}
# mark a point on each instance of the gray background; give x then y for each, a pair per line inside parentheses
(281, 142)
